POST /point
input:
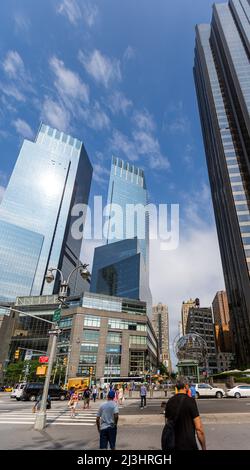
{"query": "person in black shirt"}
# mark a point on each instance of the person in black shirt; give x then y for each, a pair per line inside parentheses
(183, 410)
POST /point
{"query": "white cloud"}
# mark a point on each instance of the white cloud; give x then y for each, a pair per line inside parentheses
(68, 83)
(144, 120)
(75, 12)
(55, 114)
(90, 13)
(129, 53)
(95, 117)
(120, 143)
(103, 69)
(23, 128)
(13, 64)
(119, 103)
(12, 91)
(100, 174)
(194, 268)
(143, 142)
(175, 120)
(22, 22)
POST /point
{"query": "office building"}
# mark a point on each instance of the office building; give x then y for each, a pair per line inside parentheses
(222, 78)
(110, 334)
(160, 322)
(120, 268)
(222, 322)
(184, 313)
(50, 177)
(200, 321)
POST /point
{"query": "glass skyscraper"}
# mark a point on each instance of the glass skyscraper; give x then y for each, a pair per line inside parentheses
(222, 77)
(120, 268)
(51, 175)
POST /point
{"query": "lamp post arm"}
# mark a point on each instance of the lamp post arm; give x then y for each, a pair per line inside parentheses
(75, 269)
(58, 270)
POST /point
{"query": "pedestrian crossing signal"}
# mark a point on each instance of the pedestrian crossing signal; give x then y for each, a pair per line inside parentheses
(17, 354)
(65, 360)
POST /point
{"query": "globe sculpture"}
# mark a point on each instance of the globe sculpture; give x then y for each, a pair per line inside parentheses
(191, 346)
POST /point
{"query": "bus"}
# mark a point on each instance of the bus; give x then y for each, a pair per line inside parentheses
(121, 380)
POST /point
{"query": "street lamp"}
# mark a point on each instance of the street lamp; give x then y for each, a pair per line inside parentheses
(40, 421)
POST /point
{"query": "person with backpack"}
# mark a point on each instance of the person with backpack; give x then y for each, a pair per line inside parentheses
(183, 422)
(86, 398)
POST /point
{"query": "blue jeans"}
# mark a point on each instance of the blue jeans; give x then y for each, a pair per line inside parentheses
(108, 436)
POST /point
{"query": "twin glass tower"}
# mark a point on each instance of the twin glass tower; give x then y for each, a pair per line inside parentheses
(51, 175)
(222, 77)
(121, 267)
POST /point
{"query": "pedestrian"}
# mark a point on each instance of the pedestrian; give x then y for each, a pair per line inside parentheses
(188, 390)
(143, 394)
(73, 404)
(193, 391)
(183, 422)
(106, 421)
(36, 407)
(94, 393)
(86, 398)
(120, 395)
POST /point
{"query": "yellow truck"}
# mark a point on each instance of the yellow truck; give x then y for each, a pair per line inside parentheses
(78, 383)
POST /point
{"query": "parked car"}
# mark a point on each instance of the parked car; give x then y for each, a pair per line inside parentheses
(32, 390)
(206, 390)
(17, 390)
(239, 391)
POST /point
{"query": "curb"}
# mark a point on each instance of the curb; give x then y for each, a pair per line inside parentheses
(156, 420)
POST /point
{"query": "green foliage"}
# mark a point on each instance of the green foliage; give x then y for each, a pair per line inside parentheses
(163, 369)
(15, 372)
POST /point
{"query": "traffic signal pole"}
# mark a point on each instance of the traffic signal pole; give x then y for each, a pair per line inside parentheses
(40, 422)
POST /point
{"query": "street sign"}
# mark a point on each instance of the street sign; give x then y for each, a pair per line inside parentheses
(43, 359)
(57, 315)
(41, 370)
(28, 355)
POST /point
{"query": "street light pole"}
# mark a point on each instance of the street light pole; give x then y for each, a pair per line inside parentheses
(40, 421)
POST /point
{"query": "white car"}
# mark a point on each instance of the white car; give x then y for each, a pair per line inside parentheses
(205, 390)
(239, 391)
(17, 390)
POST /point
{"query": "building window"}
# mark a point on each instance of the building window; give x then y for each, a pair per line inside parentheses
(142, 340)
(65, 322)
(89, 347)
(91, 335)
(90, 320)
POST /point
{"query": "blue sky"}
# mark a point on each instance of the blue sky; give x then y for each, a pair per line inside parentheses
(118, 75)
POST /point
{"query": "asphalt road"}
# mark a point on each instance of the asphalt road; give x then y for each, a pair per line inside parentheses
(205, 406)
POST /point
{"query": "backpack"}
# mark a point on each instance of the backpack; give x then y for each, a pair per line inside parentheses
(168, 436)
(168, 433)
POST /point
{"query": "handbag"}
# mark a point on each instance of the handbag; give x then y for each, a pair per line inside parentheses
(168, 432)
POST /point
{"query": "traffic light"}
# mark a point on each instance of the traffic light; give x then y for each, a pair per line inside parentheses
(65, 360)
(17, 353)
(91, 370)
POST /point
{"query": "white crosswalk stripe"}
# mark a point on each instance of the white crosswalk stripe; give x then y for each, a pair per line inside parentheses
(54, 417)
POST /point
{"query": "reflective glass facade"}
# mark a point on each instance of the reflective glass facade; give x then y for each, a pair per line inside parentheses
(51, 175)
(120, 267)
(222, 77)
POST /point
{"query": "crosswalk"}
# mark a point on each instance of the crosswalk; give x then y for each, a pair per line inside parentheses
(57, 417)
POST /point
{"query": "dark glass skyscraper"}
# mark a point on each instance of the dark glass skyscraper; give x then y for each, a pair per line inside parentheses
(222, 77)
(51, 175)
(120, 268)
